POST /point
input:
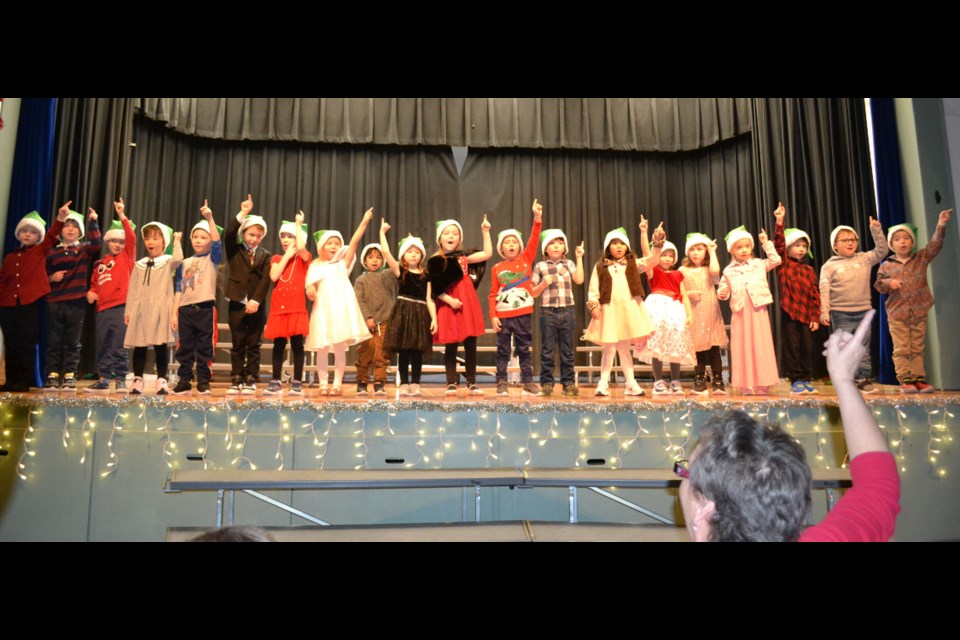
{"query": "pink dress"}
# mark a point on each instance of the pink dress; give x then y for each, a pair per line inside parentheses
(753, 362)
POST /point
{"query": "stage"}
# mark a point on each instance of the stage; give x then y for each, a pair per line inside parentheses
(82, 466)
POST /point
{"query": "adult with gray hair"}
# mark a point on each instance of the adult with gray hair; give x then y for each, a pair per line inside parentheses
(751, 482)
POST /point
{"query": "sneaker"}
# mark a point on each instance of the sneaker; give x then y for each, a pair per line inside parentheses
(120, 385)
(183, 388)
(546, 389)
(236, 387)
(136, 387)
(571, 390)
(249, 389)
(296, 388)
(69, 384)
(203, 388)
(603, 389)
(676, 388)
(53, 382)
(923, 387)
(798, 387)
(633, 389)
(718, 388)
(811, 390)
(362, 389)
(415, 390)
(502, 388)
(474, 390)
(162, 387)
(530, 389)
(273, 389)
(378, 389)
(866, 386)
(451, 389)
(101, 386)
(404, 390)
(660, 388)
(908, 387)
(700, 386)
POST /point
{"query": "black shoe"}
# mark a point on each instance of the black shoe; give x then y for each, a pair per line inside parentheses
(362, 389)
(203, 388)
(378, 389)
(183, 388)
(700, 385)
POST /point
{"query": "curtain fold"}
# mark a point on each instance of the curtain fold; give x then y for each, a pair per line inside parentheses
(616, 124)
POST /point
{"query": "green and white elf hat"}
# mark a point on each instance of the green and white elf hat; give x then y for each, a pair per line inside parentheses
(363, 255)
(249, 221)
(905, 226)
(78, 218)
(408, 243)
(549, 236)
(736, 235)
(443, 224)
(203, 225)
(34, 221)
(508, 233)
(291, 227)
(617, 234)
(835, 232)
(116, 231)
(792, 235)
(320, 236)
(694, 239)
(165, 231)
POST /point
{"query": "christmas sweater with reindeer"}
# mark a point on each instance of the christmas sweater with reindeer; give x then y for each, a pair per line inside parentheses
(512, 283)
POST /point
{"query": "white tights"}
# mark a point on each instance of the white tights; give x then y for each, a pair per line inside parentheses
(622, 348)
(339, 363)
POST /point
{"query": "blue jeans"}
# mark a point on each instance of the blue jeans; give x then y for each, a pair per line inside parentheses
(521, 328)
(848, 321)
(111, 330)
(557, 328)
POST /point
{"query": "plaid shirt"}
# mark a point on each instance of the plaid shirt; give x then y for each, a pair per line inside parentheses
(560, 293)
(913, 299)
(799, 288)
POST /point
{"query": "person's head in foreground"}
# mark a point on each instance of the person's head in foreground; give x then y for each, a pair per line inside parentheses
(237, 533)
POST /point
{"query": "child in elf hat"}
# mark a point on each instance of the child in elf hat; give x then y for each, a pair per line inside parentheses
(108, 289)
(903, 277)
(615, 300)
(194, 305)
(845, 287)
(246, 290)
(799, 303)
(511, 302)
(68, 269)
(149, 312)
(288, 318)
(671, 315)
(451, 272)
(336, 321)
(701, 275)
(376, 290)
(753, 363)
(23, 284)
(414, 319)
(553, 280)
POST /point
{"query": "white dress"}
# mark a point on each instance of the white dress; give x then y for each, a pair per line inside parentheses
(336, 316)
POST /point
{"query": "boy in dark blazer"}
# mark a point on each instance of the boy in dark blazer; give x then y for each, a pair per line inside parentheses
(246, 292)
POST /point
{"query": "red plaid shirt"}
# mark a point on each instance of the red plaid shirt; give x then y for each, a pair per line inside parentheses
(799, 287)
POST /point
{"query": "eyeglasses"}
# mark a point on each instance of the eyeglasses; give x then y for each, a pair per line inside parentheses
(846, 240)
(680, 468)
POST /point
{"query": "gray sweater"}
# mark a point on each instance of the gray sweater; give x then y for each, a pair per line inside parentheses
(845, 282)
(376, 293)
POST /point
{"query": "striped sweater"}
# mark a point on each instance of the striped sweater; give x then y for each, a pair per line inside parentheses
(76, 261)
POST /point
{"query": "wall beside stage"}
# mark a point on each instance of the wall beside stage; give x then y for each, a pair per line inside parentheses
(95, 471)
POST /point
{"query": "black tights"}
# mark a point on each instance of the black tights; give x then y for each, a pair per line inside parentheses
(712, 357)
(296, 346)
(140, 360)
(470, 357)
(658, 370)
(409, 358)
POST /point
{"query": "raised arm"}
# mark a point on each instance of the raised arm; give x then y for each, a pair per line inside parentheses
(650, 261)
(773, 258)
(880, 247)
(487, 253)
(644, 237)
(357, 237)
(578, 276)
(533, 242)
(385, 249)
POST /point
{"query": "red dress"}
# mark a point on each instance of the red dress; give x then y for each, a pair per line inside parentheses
(288, 304)
(455, 325)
